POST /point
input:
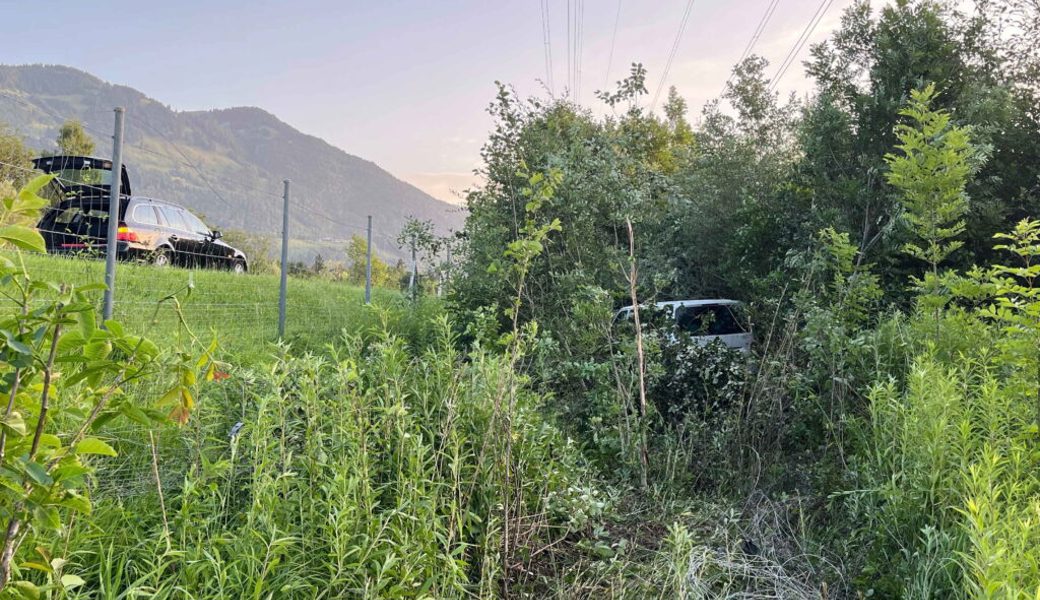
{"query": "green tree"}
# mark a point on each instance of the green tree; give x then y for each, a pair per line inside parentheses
(15, 157)
(74, 140)
(931, 173)
(418, 238)
(864, 73)
(383, 276)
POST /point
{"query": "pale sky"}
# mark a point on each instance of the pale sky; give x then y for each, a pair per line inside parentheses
(403, 83)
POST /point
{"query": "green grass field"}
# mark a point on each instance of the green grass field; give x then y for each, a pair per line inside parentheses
(241, 310)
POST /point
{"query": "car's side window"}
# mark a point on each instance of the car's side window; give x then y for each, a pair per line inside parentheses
(195, 224)
(175, 218)
(145, 215)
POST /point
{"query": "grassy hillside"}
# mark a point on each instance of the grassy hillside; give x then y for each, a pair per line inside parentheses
(241, 311)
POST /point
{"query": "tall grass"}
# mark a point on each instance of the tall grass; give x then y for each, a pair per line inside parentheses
(952, 495)
(375, 472)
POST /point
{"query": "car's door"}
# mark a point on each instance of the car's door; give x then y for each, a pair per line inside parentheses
(186, 245)
(212, 254)
(143, 218)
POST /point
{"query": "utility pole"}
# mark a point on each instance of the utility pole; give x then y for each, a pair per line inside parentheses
(114, 200)
(285, 261)
(368, 264)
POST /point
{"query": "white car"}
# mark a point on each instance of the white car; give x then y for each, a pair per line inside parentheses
(704, 320)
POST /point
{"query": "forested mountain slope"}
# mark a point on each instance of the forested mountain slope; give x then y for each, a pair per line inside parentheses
(225, 164)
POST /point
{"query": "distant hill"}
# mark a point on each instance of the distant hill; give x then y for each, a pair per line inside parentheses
(226, 164)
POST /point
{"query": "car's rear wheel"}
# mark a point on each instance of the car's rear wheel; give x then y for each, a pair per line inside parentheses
(162, 257)
(238, 266)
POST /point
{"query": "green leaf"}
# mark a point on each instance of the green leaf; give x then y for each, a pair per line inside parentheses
(23, 237)
(94, 446)
(104, 419)
(47, 517)
(36, 566)
(91, 287)
(87, 323)
(136, 414)
(188, 400)
(70, 341)
(115, 327)
(171, 397)
(34, 185)
(70, 471)
(37, 473)
(49, 440)
(70, 581)
(97, 350)
(14, 344)
(76, 502)
(14, 424)
(26, 589)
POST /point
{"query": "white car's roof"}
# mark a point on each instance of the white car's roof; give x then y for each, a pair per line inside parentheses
(706, 302)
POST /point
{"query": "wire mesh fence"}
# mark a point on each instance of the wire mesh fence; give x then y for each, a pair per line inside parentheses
(171, 304)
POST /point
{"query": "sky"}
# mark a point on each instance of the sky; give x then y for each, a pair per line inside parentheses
(403, 83)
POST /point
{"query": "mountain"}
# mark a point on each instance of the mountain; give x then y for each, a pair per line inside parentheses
(226, 165)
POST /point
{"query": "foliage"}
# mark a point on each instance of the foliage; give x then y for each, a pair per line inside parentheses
(15, 165)
(368, 471)
(383, 275)
(64, 379)
(931, 173)
(73, 140)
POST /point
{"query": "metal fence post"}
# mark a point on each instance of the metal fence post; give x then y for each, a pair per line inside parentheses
(447, 267)
(415, 272)
(368, 264)
(285, 262)
(114, 194)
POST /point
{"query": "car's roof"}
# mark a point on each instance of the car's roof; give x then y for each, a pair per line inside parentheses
(72, 201)
(699, 302)
(156, 201)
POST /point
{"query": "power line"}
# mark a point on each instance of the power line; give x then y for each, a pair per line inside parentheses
(186, 159)
(570, 71)
(800, 43)
(759, 29)
(579, 32)
(547, 40)
(671, 55)
(613, 38)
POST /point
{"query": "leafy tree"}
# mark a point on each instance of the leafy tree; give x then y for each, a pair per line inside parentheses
(15, 157)
(383, 276)
(418, 237)
(931, 173)
(74, 140)
(864, 74)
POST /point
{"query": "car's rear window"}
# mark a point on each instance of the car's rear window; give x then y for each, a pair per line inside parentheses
(81, 220)
(99, 177)
(712, 319)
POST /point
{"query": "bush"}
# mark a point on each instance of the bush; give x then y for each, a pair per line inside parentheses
(375, 472)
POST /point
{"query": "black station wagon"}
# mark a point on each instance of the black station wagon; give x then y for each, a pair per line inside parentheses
(149, 230)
